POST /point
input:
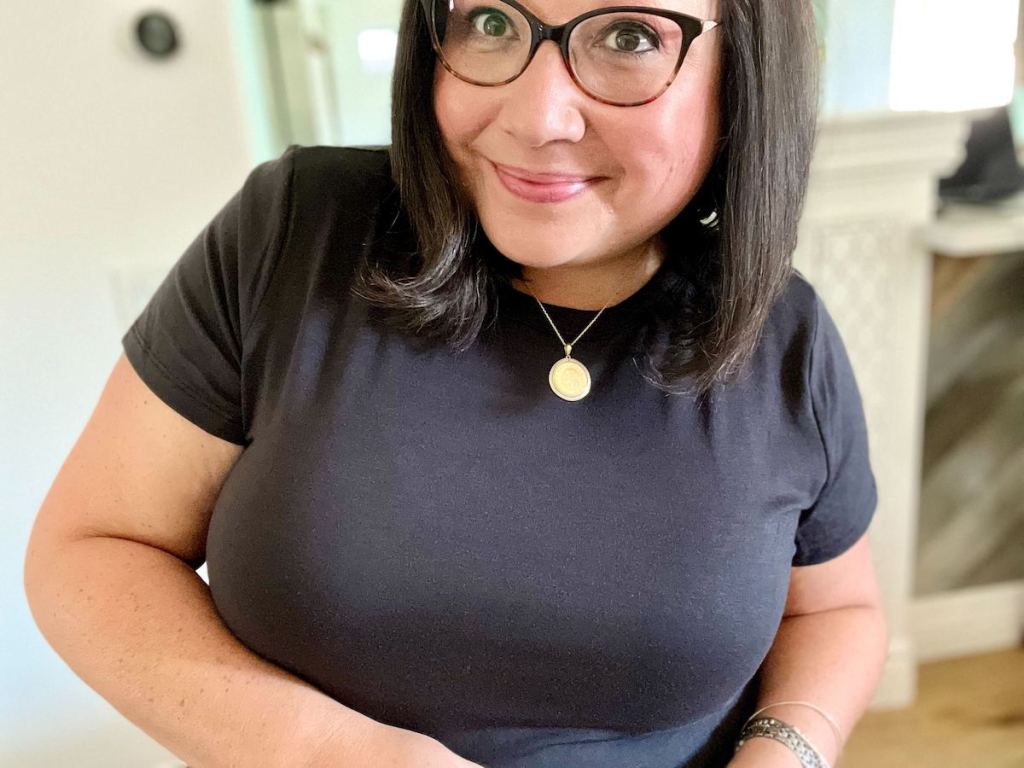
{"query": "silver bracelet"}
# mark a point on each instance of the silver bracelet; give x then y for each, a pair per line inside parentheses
(831, 720)
(782, 731)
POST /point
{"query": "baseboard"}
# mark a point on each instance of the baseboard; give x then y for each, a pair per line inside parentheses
(968, 621)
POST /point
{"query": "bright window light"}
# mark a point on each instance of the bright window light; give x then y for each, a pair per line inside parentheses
(952, 56)
(377, 49)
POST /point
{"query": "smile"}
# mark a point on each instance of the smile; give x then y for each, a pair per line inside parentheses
(549, 188)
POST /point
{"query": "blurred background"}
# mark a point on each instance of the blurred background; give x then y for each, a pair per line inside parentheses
(126, 126)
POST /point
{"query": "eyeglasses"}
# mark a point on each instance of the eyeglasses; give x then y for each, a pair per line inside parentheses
(625, 56)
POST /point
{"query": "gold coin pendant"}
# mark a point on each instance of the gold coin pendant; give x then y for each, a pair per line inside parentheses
(569, 379)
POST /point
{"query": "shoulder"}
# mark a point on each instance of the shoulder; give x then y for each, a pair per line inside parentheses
(806, 307)
(341, 188)
(798, 305)
(306, 178)
(812, 352)
(340, 168)
(789, 332)
(800, 322)
(341, 160)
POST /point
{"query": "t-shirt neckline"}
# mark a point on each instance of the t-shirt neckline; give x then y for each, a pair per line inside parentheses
(616, 319)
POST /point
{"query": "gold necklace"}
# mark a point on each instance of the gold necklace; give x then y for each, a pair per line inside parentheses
(568, 377)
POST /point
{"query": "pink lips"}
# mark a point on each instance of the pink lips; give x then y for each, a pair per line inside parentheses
(542, 187)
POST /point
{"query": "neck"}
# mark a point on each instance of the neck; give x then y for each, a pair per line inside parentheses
(592, 286)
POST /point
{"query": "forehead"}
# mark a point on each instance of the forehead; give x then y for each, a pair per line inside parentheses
(557, 11)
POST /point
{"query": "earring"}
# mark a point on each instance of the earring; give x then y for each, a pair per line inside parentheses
(710, 220)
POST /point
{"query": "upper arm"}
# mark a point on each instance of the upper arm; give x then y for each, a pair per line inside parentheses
(171, 420)
(844, 581)
(138, 471)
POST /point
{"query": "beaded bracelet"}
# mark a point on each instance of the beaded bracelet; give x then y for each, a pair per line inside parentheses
(782, 731)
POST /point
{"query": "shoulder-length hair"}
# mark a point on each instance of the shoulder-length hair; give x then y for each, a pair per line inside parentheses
(720, 278)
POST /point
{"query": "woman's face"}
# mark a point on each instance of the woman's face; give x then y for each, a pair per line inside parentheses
(645, 162)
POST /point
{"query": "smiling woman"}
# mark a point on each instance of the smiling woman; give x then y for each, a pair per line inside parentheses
(464, 505)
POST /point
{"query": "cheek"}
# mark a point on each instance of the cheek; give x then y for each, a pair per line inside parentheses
(680, 141)
(459, 115)
(673, 157)
(445, 107)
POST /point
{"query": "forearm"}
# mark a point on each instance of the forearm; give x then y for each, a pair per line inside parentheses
(139, 626)
(832, 659)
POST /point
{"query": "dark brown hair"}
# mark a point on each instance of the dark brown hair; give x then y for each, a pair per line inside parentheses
(719, 281)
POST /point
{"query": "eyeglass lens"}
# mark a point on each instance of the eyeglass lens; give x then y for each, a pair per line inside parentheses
(620, 57)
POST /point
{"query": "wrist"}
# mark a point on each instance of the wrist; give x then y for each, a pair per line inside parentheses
(811, 725)
(763, 752)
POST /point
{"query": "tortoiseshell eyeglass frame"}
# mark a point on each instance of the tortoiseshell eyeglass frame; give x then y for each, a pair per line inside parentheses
(691, 26)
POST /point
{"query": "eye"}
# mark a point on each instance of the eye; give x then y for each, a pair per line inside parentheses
(631, 37)
(490, 23)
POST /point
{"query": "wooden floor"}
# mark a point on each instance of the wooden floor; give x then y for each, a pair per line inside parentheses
(969, 714)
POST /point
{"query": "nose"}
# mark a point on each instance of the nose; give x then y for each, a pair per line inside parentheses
(544, 103)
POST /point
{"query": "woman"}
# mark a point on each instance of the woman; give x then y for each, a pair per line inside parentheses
(520, 443)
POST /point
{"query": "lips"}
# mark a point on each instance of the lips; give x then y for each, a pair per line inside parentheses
(543, 187)
(542, 178)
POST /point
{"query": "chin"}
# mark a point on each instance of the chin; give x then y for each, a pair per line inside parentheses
(530, 248)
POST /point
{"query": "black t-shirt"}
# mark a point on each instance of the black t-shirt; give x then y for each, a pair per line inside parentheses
(437, 540)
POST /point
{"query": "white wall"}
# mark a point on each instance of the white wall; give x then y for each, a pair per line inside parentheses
(106, 157)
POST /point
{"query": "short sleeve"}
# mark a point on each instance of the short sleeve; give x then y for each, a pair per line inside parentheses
(187, 343)
(847, 500)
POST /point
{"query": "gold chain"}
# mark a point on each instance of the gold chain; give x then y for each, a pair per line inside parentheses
(568, 347)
